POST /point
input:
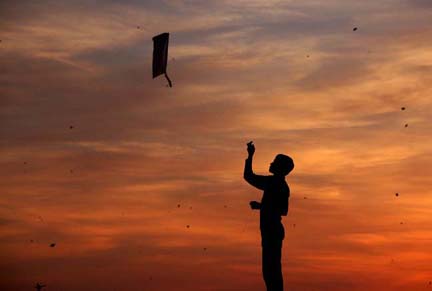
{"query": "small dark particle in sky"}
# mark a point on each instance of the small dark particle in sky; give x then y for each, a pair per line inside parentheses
(396, 194)
(402, 108)
(355, 29)
(71, 127)
(401, 222)
(225, 206)
(188, 226)
(25, 163)
(31, 240)
(39, 286)
(205, 249)
(305, 197)
(138, 27)
(307, 56)
(178, 205)
(52, 245)
(294, 225)
(406, 125)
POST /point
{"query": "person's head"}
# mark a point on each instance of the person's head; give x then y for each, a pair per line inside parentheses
(282, 165)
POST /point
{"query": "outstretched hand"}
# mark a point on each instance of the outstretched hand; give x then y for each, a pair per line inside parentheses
(255, 205)
(250, 148)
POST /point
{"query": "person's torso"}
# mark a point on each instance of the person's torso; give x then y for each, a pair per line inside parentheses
(274, 200)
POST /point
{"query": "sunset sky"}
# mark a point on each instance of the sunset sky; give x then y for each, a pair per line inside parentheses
(96, 156)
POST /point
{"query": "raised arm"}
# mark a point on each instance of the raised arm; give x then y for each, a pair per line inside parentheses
(255, 180)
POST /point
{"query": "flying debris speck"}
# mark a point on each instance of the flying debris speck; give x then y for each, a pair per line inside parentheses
(39, 286)
(305, 197)
(406, 125)
(178, 205)
(397, 194)
(294, 225)
(355, 29)
(71, 127)
(401, 222)
(188, 226)
(402, 108)
(52, 245)
(205, 249)
(225, 206)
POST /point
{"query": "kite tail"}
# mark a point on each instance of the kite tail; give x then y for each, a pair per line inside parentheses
(168, 79)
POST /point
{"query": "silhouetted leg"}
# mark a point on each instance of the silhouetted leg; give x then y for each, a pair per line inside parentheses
(277, 266)
(266, 267)
(271, 264)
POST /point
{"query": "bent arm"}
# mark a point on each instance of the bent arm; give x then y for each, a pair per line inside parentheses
(257, 181)
(255, 205)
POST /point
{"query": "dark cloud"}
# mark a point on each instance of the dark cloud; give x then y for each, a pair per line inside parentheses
(419, 3)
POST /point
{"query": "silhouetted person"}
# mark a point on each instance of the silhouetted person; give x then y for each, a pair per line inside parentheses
(39, 287)
(273, 205)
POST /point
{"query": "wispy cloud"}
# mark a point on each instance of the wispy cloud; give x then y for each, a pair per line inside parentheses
(112, 165)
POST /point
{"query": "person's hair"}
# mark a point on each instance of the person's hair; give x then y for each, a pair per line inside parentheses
(284, 164)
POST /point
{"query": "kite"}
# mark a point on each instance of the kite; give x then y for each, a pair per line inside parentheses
(160, 55)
